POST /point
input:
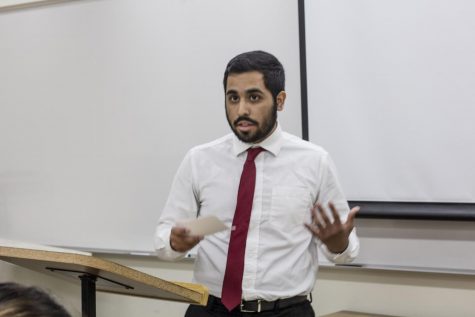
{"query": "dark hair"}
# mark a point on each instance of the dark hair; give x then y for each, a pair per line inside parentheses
(21, 301)
(263, 62)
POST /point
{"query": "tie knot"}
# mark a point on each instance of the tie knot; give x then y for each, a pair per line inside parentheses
(252, 153)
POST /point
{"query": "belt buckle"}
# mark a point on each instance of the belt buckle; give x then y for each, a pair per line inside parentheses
(241, 307)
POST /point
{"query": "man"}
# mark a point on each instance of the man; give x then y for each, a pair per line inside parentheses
(278, 194)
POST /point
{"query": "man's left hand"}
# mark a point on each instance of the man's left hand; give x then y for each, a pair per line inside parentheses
(334, 234)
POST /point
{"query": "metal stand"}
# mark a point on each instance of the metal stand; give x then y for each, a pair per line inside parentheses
(88, 295)
(89, 282)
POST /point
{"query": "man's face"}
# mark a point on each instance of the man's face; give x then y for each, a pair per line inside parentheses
(250, 108)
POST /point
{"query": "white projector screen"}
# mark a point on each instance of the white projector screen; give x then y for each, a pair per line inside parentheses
(391, 96)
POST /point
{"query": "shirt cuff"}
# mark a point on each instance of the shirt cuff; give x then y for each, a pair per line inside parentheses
(163, 249)
(347, 256)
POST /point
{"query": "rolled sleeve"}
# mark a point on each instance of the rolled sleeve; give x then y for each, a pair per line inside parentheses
(181, 204)
(347, 256)
(331, 191)
(162, 244)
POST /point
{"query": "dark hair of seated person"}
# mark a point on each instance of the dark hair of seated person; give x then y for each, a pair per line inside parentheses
(22, 301)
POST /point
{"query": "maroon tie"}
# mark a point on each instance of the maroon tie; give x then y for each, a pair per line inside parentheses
(232, 284)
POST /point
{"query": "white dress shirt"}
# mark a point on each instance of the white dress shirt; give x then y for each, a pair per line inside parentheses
(281, 258)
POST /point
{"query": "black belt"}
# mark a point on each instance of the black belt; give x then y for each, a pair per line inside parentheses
(260, 305)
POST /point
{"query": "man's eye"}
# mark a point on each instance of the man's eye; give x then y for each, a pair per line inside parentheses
(254, 98)
(233, 98)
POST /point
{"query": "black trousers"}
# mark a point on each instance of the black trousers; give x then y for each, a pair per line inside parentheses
(303, 309)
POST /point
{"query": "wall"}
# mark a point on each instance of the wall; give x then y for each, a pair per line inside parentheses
(379, 291)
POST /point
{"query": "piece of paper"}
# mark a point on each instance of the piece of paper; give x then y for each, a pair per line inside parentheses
(203, 226)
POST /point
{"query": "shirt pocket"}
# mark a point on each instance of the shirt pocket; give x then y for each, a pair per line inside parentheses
(290, 206)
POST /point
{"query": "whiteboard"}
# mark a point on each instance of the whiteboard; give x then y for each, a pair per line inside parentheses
(101, 99)
(390, 90)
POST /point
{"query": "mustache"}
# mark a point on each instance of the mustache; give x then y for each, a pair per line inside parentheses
(245, 119)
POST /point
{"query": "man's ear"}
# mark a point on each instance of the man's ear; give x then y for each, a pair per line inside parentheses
(281, 100)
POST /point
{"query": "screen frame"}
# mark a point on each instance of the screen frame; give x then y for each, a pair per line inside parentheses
(380, 209)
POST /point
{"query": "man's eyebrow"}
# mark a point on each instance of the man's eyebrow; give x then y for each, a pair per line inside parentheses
(248, 91)
(254, 90)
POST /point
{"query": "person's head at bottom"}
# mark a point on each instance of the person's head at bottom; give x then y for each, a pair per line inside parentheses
(22, 301)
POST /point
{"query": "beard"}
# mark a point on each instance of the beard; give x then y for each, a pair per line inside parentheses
(263, 130)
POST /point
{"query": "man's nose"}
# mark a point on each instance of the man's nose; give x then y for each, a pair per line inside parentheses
(243, 108)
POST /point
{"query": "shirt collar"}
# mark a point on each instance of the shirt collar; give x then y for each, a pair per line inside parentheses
(271, 144)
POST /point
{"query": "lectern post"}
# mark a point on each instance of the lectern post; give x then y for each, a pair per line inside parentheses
(88, 295)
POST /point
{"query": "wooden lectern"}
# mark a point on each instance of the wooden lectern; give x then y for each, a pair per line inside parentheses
(105, 276)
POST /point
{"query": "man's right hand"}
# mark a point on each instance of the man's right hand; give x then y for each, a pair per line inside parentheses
(181, 240)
